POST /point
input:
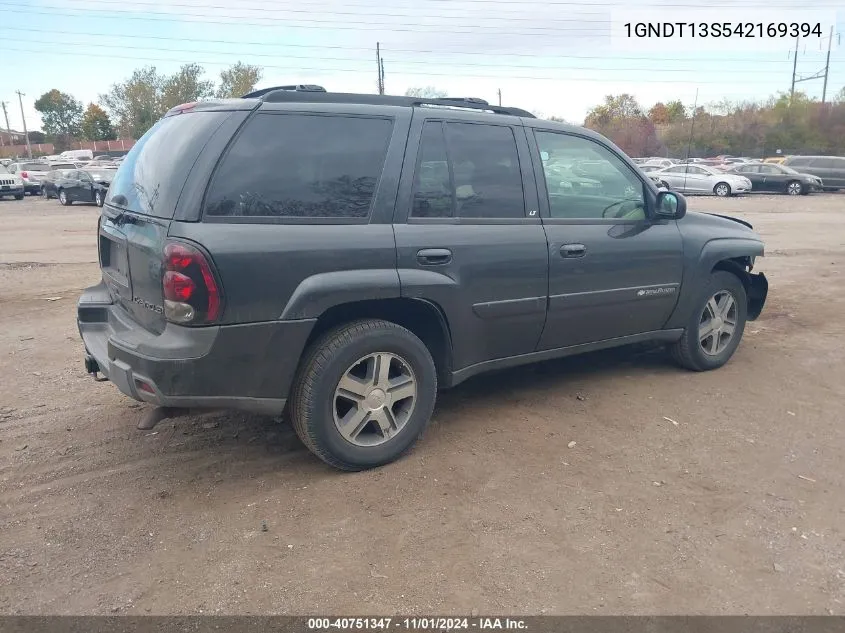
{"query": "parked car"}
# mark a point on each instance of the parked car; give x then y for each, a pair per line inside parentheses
(31, 172)
(48, 182)
(703, 179)
(77, 154)
(779, 178)
(306, 251)
(831, 169)
(84, 185)
(10, 184)
(659, 162)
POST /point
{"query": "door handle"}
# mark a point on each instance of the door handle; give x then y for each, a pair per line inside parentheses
(434, 256)
(573, 250)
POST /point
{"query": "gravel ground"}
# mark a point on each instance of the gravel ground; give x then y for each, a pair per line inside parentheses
(740, 508)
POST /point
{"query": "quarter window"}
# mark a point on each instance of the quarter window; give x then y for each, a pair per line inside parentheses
(301, 166)
(586, 180)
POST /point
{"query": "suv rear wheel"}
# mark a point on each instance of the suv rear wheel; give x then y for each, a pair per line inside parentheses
(716, 325)
(364, 393)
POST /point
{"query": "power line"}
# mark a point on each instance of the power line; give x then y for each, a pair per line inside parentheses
(763, 4)
(114, 14)
(443, 52)
(408, 72)
(416, 61)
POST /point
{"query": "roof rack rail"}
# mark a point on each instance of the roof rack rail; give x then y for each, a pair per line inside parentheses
(292, 88)
(285, 94)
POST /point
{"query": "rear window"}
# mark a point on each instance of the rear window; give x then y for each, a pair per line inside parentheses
(151, 177)
(35, 167)
(301, 166)
(63, 166)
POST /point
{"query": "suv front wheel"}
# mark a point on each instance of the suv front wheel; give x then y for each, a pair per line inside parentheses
(364, 393)
(716, 325)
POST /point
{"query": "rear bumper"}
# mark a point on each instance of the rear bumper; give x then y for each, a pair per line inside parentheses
(32, 187)
(248, 367)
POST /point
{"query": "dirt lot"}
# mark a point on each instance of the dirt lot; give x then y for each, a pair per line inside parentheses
(740, 508)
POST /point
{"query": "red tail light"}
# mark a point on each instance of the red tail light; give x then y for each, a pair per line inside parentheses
(191, 292)
(24, 174)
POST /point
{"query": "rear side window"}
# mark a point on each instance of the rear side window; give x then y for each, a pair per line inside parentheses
(301, 166)
(829, 163)
(798, 162)
(151, 177)
(479, 179)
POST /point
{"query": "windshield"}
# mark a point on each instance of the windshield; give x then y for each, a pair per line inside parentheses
(785, 169)
(3, 170)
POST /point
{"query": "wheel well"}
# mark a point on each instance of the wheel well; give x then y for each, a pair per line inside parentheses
(423, 318)
(738, 266)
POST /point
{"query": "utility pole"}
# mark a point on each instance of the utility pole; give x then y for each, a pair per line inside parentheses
(379, 69)
(23, 118)
(794, 68)
(500, 95)
(827, 66)
(383, 88)
(6, 115)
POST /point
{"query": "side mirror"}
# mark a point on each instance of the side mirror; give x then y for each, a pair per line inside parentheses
(670, 204)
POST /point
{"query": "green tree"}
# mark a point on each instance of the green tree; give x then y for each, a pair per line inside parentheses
(61, 114)
(676, 110)
(425, 92)
(185, 86)
(96, 125)
(238, 80)
(135, 103)
(622, 120)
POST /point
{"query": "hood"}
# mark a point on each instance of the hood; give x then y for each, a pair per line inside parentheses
(716, 223)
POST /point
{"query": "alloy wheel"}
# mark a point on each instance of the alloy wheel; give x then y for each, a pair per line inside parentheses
(374, 399)
(794, 189)
(718, 323)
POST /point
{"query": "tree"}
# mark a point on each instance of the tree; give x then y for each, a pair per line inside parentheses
(840, 96)
(425, 92)
(238, 80)
(621, 119)
(676, 111)
(61, 114)
(96, 125)
(186, 86)
(659, 114)
(136, 103)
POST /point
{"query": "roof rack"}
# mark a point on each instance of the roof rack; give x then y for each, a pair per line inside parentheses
(291, 88)
(317, 94)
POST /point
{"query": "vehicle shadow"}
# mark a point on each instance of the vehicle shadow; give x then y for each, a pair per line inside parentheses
(249, 446)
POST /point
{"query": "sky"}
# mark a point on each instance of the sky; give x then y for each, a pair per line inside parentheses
(553, 57)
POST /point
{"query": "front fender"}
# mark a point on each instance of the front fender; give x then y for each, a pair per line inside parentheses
(698, 270)
(317, 293)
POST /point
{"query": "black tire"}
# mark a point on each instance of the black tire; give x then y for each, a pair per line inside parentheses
(722, 189)
(687, 351)
(98, 198)
(18, 196)
(792, 190)
(326, 361)
(63, 199)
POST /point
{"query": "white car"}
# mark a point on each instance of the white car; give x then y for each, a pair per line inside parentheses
(701, 179)
(31, 172)
(10, 184)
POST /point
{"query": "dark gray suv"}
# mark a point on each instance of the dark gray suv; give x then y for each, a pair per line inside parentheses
(343, 256)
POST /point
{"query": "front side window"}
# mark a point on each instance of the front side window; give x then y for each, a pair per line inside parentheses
(301, 166)
(477, 177)
(586, 180)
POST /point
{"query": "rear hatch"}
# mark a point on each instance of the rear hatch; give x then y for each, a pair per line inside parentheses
(34, 171)
(140, 205)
